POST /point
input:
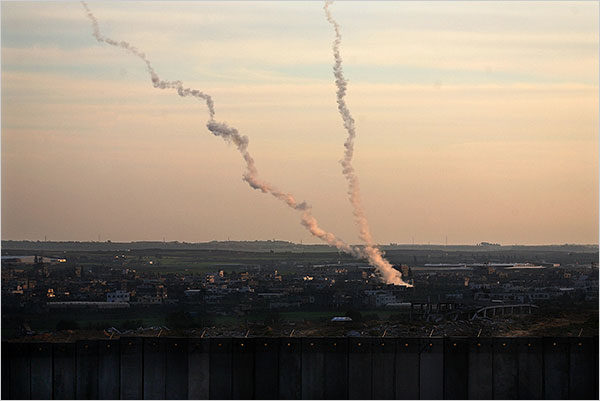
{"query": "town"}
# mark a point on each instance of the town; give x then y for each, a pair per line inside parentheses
(276, 288)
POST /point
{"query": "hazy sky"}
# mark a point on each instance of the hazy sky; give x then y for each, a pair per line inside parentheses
(476, 120)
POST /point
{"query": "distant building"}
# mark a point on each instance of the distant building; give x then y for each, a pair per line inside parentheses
(149, 294)
(380, 298)
(117, 296)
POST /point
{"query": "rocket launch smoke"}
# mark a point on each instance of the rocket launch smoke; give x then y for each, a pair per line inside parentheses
(231, 135)
(373, 254)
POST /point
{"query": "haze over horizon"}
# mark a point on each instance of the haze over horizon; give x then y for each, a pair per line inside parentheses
(476, 121)
(291, 242)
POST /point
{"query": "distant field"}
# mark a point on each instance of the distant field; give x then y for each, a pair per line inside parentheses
(171, 264)
(205, 260)
(195, 265)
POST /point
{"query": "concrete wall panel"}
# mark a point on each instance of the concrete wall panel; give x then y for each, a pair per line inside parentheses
(64, 368)
(359, 368)
(407, 368)
(198, 369)
(556, 368)
(20, 374)
(506, 369)
(220, 369)
(431, 367)
(132, 352)
(290, 369)
(313, 368)
(41, 371)
(87, 370)
(336, 368)
(456, 368)
(243, 368)
(154, 368)
(480, 380)
(176, 380)
(109, 361)
(384, 368)
(266, 367)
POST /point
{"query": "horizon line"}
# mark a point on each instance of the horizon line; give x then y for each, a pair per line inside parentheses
(108, 241)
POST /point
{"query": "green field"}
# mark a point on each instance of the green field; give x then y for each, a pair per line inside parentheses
(183, 265)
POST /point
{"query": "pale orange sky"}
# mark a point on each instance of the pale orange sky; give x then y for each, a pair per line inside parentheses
(477, 121)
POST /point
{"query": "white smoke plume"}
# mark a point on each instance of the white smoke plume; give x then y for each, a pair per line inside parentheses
(373, 254)
(231, 135)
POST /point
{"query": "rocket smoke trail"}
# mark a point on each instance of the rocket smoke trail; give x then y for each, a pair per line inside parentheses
(373, 254)
(231, 135)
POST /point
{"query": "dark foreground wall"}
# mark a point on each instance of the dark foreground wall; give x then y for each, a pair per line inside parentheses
(308, 368)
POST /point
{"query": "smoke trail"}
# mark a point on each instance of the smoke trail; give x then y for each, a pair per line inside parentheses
(156, 81)
(374, 255)
(231, 135)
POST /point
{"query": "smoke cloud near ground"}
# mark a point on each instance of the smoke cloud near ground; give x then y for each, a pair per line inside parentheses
(373, 254)
(231, 135)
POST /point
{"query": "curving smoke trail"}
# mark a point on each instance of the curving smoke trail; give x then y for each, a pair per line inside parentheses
(231, 135)
(156, 81)
(373, 254)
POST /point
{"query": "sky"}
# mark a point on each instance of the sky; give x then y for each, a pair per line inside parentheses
(476, 121)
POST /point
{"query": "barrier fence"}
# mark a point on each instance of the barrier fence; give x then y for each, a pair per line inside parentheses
(303, 368)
